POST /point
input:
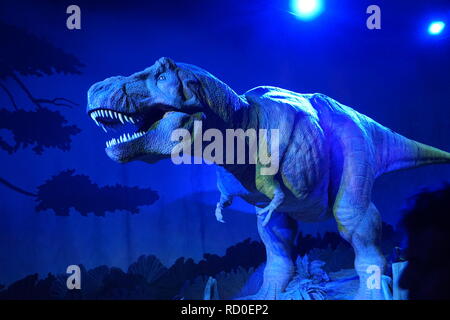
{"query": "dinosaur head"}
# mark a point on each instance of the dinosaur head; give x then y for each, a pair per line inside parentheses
(143, 109)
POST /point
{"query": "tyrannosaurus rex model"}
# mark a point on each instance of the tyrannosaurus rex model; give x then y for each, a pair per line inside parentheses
(329, 156)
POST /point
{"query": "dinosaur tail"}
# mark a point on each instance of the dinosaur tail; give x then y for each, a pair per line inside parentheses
(396, 152)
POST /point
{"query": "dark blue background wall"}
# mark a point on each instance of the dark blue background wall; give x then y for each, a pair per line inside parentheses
(396, 75)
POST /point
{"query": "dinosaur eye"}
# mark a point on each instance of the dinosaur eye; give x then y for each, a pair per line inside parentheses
(161, 77)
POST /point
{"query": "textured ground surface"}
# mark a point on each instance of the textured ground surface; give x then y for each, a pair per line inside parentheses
(343, 285)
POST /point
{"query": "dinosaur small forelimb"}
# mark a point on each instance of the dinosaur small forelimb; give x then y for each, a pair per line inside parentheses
(218, 213)
(277, 200)
(225, 201)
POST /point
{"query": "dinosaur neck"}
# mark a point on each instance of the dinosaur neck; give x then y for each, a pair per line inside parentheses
(230, 109)
(231, 112)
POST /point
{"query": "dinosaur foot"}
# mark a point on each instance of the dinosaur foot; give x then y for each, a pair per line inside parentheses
(382, 293)
(219, 215)
(270, 291)
(367, 294)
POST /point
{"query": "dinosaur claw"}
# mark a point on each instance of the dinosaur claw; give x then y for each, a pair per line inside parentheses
(262, 211)
(265, 219)
(219, 216)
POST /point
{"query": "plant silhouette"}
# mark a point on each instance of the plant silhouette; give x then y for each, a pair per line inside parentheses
(66, 190)
(28, 55)
(41, 129)
(239, 271)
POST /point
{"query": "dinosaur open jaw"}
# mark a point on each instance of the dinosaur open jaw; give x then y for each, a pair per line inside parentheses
(129, 126)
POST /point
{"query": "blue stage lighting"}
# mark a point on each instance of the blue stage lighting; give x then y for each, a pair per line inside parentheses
(436, 27)
(307, 9)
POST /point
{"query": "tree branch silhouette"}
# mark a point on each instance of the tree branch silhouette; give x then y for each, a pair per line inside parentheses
(16, 188)
(38, 102)
(55, 102)
(10, 96)
(67, 190)
(26, 54)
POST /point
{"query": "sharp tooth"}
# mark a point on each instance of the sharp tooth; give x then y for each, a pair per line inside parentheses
(107, 144)
(115, 114)
(131, 120)
(128, 136)
(126, 118)
(110, 113)
(104, 129)
(120, 118)
(93, 118)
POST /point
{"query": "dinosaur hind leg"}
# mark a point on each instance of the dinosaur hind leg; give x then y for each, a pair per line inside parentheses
(278, 237)
(363, 230)
(358, 219)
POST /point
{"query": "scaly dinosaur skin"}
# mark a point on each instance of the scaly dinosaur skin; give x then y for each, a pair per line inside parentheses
(329, 154)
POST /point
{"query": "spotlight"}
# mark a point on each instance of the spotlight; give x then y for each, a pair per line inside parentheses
(436, 27)
(306, 9)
